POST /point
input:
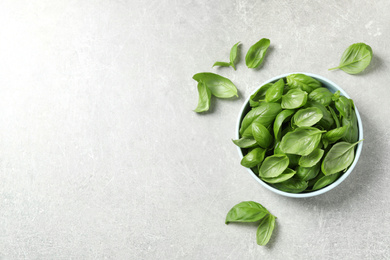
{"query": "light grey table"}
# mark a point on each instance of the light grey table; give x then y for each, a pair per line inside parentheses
(102, 156)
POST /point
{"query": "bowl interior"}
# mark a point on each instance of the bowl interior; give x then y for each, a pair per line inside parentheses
(333, 88)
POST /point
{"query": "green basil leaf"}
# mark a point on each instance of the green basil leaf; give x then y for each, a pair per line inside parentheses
(294, 98)
(355, 58)
(245, 142)
(287, 174)
(253, 157)
(275, 92)
(293, 185)
(246, 211)
(352, 133)
(219, 86)
(302, 82)
(265, 114)
(256, 53)
(261, 134)
(311, 159)
(307, 116)
(221, 64)
(336, 95)
(204, 98)
(233, 55)
(308, 173)
(279, 120)
(273, 166)
(259, 95)
(339, 158)
(326, 121)
(325, 181)
(301, 141)
(334, 116)
(344, 106)
(336, 134)
(265, 229)
(321, 95)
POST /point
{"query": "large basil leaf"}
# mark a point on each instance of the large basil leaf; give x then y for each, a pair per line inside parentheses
(287, 174)
(245, 142)
(303, 82)
(204, 98)
(265, 114)
(339, 158)
(326, 121)
(275, 92)
(265, 229)
(294, 98)
(261, 134)
(352, 133)
(246, 211)
(259, 95)
(308, 173)
(219, 86)
(253, 157)
(311, 159)
(355, 58)
(321, 95)
(344, 106)
(293, 185)
(301, 141)
(273, 166)
(307, 116)
(325, 181)
(280, 118)
(256, 53)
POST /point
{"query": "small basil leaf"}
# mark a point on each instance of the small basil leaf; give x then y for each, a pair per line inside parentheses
(326, 121)
(336, 95)
(301, 141)
(219, 86)
(334, 116)
(302, 82)
(294, 98)
(325, 181)
(336, 134)
(265, 114)
(265, 229)
(275, 92)
(221, 64)
(339, 158)
(344, 106)
(204, 98)
(261, 134)
(287, 174)
(256, 53)
(245, 142)
(246, 211)
(355, 58)
(321, 95)
(279, 120)
(273, 166)
(293, 185)
(308, 173)
(311, 159)
(259, 95)
(307, 116)
(352, 133)
(233, 55)
(253, 157)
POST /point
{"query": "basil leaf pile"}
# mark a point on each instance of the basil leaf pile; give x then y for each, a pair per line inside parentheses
(250, 211)
(233, 56)
(355, 58)
(298, 136)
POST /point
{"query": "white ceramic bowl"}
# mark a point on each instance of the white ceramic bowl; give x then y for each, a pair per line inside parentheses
(333, 88)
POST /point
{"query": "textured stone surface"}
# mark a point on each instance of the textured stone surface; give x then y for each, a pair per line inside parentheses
(102, 156)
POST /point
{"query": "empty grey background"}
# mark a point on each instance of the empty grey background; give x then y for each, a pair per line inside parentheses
(102, 156)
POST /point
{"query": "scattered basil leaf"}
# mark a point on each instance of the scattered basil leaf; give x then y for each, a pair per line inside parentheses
(245, 142)
(219, 86)
(259, 95)
(307, 116)
(321, 95)
(221, 64)
(261, 135)
(287, 174)
(325, 181)
(246, 211)
(301, 141)
(275, 92)
(293, 185)
(256, 53)
(311, 159)
(294, 98)
(355, 58)
(233, 55)
(339, 157)
(204, 98)
(253, 157)
(279, 120)
(273, 166)
(265, 229)
(302, 82)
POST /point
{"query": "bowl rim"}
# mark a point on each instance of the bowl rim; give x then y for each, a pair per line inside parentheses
(327, 188)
